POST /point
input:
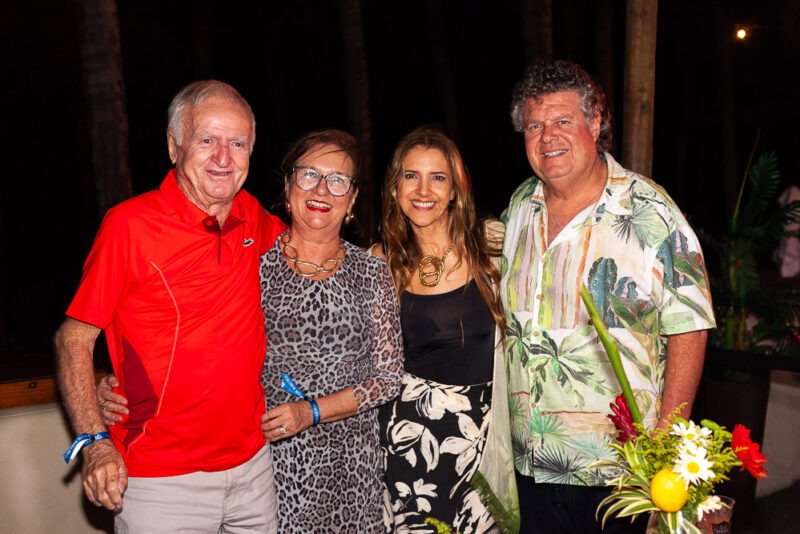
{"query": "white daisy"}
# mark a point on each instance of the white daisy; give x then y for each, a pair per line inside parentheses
(692, 465)
(711, 504)
(691, 432)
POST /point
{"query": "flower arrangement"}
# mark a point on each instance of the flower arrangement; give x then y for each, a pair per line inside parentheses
(669, 473)
(672, 473)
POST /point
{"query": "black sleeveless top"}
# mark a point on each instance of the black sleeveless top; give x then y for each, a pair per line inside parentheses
(449, 337)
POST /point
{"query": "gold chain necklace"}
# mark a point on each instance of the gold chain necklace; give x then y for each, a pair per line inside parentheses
(438, 267)
(327, 266)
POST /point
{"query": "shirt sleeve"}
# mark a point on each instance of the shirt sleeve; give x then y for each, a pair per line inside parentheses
(271, 227)
(105, 273)
(681, 280)
(386, 349)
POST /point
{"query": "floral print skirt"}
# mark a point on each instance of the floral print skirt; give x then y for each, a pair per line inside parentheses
(432, 439)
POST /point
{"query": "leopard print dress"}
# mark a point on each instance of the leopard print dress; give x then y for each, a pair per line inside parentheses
(343, 331)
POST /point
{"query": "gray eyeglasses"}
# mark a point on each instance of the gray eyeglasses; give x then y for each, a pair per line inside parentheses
(307, 178)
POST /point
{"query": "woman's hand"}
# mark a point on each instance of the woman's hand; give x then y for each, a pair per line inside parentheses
(111, 404)
(286, 420)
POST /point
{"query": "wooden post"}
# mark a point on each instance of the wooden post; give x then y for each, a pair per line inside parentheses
(104, 88)
(357, 91)
(640, 75)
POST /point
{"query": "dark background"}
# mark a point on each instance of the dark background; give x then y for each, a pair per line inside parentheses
(287, 60)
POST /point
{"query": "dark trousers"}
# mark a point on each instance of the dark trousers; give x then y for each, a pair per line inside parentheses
(557, 508)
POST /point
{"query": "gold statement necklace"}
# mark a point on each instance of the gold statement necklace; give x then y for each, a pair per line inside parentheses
(309, 269)
(438, 267)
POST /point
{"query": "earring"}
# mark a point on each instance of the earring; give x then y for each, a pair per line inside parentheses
(288, 208)
(348, 217)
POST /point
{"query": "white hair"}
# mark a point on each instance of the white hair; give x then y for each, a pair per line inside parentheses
(193, 95)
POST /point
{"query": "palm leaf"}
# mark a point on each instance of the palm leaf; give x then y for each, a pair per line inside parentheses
(557, 466)
(547, 427)
(763, 179)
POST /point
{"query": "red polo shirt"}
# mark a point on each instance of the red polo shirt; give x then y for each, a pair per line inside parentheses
(179, 299)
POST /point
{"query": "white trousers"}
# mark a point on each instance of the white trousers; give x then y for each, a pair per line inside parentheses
(240, 500)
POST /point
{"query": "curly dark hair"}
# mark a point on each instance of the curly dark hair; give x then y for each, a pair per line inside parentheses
(542, 78)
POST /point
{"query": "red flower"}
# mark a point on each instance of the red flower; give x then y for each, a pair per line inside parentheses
(622, 419)
(748, 452)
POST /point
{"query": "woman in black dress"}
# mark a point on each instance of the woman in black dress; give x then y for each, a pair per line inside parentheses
(445, 439)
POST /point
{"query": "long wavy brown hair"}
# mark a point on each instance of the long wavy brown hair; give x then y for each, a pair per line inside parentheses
(466, 230)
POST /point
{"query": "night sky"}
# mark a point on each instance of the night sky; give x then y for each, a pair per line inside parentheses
(287, 60)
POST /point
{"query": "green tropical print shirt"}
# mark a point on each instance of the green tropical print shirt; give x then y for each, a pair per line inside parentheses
(643, 265)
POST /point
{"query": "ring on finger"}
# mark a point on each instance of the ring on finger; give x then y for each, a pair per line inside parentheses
(102, 405)
(282, 430)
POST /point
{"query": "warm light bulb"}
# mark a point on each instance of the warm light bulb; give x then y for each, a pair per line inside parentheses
(741, 33)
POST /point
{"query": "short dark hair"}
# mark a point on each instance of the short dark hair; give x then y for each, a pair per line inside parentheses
(338, 138)
(543, 78)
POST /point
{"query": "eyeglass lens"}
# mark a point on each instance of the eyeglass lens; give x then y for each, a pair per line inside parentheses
(307, 178)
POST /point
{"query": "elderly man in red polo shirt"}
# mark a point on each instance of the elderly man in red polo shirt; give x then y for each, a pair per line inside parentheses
(172, 278)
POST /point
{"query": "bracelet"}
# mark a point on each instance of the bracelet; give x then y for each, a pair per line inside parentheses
(314, 409)
(82, 441)
(289, 386)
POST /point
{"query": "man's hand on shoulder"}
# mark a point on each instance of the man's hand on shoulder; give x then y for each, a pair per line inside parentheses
(105, 476)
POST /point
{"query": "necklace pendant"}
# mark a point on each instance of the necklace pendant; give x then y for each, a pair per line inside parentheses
(438, 268)
(326, 267)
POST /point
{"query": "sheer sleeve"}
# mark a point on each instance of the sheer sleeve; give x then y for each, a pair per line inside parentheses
(386, 347)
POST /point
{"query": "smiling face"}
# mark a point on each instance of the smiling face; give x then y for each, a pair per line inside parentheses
(317, 210)
(559, 142)
(213, 158)
(425, 188)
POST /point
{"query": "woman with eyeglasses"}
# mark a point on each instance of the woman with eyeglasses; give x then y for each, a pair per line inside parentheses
(334, 349)
(446, 438)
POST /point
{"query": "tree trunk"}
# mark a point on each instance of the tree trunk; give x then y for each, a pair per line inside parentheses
(357, 90)
(105, 98)
(640, 75)
(604, 55)
(537, 29)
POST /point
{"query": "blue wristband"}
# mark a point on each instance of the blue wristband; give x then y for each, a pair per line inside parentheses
(314, 410)
(289, 386)
(82, 441)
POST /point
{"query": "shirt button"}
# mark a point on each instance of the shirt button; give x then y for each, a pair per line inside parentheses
(539, 296)
(536, 334)
(532, 369)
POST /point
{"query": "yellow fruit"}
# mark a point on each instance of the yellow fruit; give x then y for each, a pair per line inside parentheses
(668, 491)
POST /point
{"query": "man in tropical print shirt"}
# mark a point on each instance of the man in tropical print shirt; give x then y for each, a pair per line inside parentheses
(584, 219)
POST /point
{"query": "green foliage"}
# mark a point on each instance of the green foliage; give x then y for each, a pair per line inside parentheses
(756, 225)
(612, 351)
(547, 427)
(557, 466)
(441, 526)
